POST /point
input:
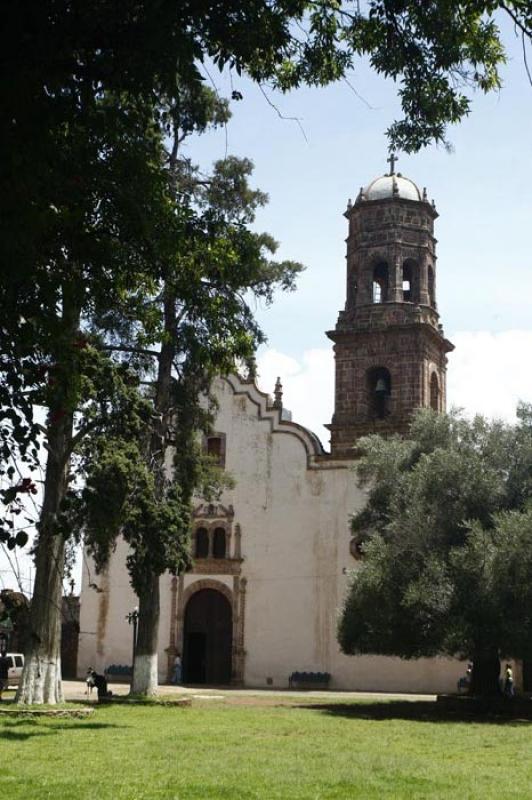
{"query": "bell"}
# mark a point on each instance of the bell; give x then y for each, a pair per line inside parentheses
(381, 387)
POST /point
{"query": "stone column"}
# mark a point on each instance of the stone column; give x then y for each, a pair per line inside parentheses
(423, 273)
(171, 650)
(241, 624)
(235, 649)
(395, 278)
(365, 285)
(180, 615)
(238, 541)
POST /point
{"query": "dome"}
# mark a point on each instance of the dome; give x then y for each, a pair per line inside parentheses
(388, 186)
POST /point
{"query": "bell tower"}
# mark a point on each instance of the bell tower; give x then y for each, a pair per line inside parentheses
(390, 350)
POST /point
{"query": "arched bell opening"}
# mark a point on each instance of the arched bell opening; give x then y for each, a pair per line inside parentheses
(430, 286)
(434, 392)
(208, 638)
(380, 283)
(410, 281)
(379, 388)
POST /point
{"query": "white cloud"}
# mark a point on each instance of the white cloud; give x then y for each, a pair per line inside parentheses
(308, 385)
(488, 373)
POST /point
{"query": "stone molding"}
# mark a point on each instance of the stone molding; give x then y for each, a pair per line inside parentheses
(266, 412)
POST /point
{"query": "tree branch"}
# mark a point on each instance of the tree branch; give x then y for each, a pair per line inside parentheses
(282, 116)
(524, 30)
(122, 348)
(525, 59)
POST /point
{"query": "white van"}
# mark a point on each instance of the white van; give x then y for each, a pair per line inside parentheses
(15, 668)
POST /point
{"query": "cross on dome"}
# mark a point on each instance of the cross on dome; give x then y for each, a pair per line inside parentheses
(391, 161)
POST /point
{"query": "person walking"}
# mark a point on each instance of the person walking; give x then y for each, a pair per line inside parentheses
(509, 687)
(176, 677)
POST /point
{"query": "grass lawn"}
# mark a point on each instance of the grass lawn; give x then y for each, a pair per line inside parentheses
(248, 749)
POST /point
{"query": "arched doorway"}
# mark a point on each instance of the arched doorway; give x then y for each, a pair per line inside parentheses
(207, 641)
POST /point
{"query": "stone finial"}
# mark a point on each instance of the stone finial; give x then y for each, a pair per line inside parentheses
(395, 187)
(278, 394)
(425, 197)
(434, 205)
(252, 370)
(349, 204)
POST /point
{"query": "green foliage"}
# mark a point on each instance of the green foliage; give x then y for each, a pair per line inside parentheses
(445, 538)
(120, 496)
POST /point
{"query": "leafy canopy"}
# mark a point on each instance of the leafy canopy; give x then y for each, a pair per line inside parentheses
(445, 538)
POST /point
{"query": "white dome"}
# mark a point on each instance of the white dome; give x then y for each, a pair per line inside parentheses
(388, 186)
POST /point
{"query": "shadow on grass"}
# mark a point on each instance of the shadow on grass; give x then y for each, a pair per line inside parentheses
(417, 711)
(20, 730)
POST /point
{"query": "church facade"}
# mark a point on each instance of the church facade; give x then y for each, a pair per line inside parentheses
(273, 558)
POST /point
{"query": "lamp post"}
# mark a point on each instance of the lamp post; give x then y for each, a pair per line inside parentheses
(133, 618)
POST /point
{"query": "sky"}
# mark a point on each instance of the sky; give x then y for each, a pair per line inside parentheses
(482, 188)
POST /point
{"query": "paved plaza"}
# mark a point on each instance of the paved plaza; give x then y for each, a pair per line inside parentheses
(76, 690)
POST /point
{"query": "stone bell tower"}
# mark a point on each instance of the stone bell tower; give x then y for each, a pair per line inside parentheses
(389, 346)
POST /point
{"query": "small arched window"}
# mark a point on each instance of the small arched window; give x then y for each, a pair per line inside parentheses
(434, 392)
(380, 283)
(202, 543)
(218, 543)
(215, 448)
(379, 386)
(430, 281)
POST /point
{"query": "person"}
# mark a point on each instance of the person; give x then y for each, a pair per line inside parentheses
(100, 682)
(4, 672)
(176, 677)
(509, 688)
(464, 683)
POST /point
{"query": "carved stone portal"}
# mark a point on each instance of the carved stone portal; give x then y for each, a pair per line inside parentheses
(180, 596)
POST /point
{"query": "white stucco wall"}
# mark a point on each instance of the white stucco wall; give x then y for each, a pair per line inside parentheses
(293, 507)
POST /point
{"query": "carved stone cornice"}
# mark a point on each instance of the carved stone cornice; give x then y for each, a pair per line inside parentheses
(217, 566)
(213, 511)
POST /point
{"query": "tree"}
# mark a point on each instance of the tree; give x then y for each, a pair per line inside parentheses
(96, 252)
(445, 535)
(206, 326)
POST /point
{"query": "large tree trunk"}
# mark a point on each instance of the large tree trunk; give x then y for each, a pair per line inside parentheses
(145, 678)
(486, 673)
(41, 678)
